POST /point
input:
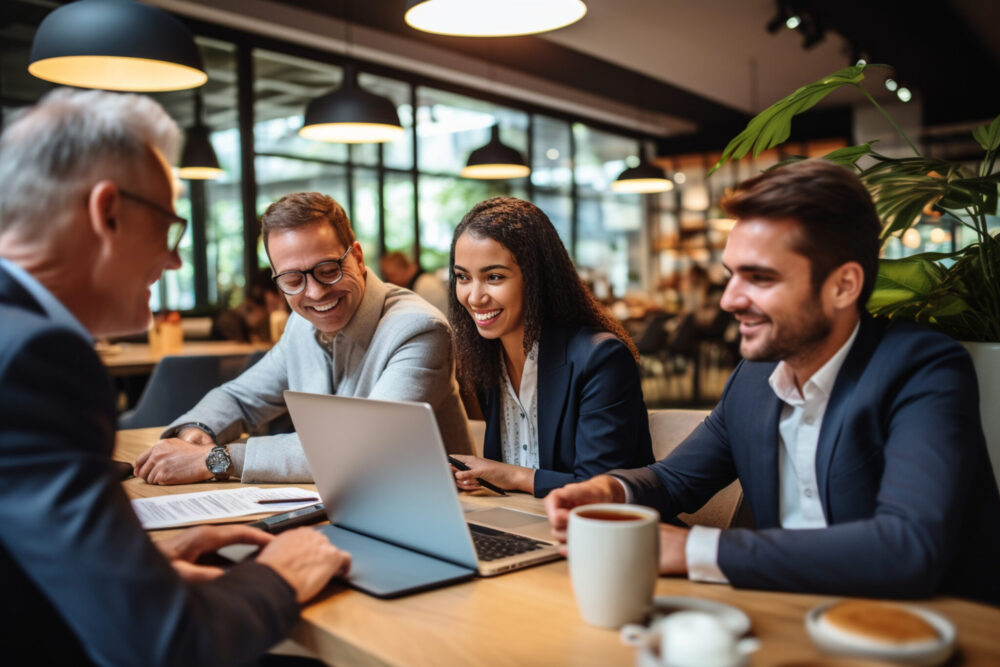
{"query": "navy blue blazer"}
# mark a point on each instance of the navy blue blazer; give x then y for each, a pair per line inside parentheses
(591, 416)
(909, 497)
(81, 581)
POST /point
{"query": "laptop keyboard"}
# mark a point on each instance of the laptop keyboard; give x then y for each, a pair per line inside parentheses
(495, 544)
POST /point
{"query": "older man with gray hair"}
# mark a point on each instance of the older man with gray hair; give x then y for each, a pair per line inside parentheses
(86, 227)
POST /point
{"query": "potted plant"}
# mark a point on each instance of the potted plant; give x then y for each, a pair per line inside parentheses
(958, 292)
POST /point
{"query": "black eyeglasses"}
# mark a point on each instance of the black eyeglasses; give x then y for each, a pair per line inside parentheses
(327, 272)
(175, 232)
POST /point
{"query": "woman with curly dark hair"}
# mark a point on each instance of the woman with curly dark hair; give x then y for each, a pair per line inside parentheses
(556, 376)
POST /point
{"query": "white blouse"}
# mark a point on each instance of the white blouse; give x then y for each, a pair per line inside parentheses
(519, 426)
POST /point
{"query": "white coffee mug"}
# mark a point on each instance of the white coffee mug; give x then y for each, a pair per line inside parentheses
(613, 561)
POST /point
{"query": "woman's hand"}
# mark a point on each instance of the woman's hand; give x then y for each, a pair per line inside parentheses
(504, 475)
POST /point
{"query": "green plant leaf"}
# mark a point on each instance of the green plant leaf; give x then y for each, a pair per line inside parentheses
(915, 275)
(988, 135)
(773, 125)
(848, 155)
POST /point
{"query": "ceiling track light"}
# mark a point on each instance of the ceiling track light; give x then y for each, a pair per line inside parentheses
(644, 178)
(495, 160)
(351, 115)
(115, 45)
(492, 18)
(198, 159)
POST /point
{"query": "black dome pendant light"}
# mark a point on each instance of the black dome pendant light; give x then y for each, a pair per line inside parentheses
(495, 160)
(198, 159)
(644, 178)
(116, 45)
(351, 115)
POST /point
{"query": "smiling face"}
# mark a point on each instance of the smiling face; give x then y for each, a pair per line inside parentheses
(489, 285)
(141, 253)
(781, 315)
(327, 307)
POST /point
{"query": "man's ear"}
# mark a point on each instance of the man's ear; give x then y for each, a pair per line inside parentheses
(360, 255)
(103, 204)
(846, 282)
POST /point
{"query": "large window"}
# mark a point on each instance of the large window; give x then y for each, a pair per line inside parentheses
(407, 195)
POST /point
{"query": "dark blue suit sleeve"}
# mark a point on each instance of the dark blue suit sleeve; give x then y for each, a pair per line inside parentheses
(66, 524)
(932, 444)
(691, 474)
(612, 430)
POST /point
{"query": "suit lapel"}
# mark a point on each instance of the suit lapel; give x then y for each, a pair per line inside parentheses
(837, 407)
(554, 375)
(763, 446)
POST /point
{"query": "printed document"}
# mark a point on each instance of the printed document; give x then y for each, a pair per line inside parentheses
(206, 506)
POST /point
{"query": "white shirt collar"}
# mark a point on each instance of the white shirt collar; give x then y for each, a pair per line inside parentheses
(782, 379)
(52, 307)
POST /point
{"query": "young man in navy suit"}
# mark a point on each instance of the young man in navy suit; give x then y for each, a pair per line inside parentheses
(86, 227)
(858, 442)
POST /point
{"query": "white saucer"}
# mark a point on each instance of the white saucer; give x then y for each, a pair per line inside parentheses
(930, 652)
(734, 620)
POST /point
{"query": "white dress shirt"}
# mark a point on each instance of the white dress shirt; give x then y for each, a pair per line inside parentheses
(798, 435)
(519, 426)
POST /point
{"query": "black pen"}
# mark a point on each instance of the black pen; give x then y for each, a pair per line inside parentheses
(277, 501)
(482, 482)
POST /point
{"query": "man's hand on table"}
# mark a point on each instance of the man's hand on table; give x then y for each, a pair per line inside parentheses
(302, 557)
(600, 489)
(179, 460)
(606, 489)
(305, 559)
(184, 548)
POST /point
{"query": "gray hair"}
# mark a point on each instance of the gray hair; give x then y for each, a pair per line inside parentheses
(53, 153)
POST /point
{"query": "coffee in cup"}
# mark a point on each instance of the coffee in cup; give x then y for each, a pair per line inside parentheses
(613, 552)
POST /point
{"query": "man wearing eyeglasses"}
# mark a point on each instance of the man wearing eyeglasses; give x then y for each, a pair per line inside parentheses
(86, 227)
(350, 335)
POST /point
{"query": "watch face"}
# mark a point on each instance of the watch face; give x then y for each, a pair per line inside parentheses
(218, 461)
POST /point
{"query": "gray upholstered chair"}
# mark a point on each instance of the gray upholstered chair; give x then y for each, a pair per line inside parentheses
(668, 428)
(177, 384)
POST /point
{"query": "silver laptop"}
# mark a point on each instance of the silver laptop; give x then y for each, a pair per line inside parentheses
(381, 469)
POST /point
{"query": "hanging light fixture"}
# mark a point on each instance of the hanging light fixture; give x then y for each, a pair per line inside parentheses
(492, 18)
(495, 160)
(351, 115)
(116, 45)
(198, 159)
(644, 178)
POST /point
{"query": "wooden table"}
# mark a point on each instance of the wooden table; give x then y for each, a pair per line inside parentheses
(529, 617)
(138, 358)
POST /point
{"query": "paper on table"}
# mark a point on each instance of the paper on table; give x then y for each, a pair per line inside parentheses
(185, 508)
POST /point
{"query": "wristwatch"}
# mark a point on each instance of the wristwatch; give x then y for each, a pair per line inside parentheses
(219, 462)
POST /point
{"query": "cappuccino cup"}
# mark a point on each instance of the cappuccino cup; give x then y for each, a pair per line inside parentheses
(613, 552)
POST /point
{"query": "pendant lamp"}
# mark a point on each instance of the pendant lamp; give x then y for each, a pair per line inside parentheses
(198, 159)
(644, 178)
(495, 160)
(351, 115)
(492, 18)
(116, 45)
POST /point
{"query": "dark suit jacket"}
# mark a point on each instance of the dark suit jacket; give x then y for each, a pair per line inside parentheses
(907, 490)
(591, 416)
(81, 581)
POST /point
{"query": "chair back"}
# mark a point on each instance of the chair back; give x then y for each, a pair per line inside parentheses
(177, 384)
(668, 428)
